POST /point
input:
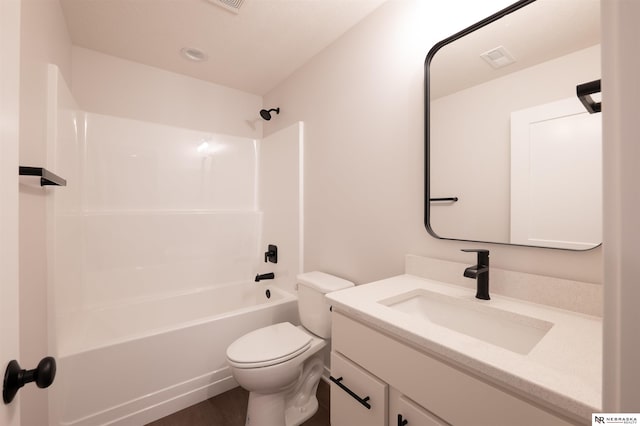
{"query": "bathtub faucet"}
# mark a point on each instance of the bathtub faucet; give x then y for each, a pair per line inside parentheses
(267, 276)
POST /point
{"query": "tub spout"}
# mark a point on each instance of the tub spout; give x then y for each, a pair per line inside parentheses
(267, 276)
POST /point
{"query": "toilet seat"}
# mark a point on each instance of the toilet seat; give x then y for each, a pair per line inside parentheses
(268, 346)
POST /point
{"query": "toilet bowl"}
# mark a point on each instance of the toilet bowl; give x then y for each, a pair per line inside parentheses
(281, 364)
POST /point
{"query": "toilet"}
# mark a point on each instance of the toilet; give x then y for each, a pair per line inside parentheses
(281, 364)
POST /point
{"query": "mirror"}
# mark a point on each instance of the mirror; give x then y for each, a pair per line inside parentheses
(512, 155)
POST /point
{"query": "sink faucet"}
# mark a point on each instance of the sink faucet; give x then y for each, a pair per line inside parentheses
(480, 272)
(267, 276)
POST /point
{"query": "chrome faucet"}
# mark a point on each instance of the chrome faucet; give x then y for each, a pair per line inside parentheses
(267, 276)
(480, 272)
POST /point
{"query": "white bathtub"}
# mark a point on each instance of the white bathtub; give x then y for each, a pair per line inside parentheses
(133, 364)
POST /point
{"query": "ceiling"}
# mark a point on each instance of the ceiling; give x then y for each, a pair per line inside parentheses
(252, 50)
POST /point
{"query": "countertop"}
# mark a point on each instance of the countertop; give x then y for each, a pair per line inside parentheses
(563, 370)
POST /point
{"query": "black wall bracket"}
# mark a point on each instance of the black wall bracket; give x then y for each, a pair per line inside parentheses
(583, 91)
(46, 177)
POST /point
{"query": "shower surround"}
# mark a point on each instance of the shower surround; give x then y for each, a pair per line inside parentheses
(160, 210)
(153, 246)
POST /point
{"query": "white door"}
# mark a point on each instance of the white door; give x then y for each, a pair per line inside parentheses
(9, 106)
(556, 176)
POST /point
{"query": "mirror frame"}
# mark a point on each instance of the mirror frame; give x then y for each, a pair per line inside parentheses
(427, 191)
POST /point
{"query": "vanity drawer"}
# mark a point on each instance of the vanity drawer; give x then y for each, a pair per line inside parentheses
(402, 409)
(352, 390)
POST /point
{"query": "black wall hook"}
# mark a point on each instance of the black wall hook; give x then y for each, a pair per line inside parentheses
(15, 377)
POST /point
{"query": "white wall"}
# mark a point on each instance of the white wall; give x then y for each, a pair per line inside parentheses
(44, 40)
(108, 85)
(362, 101)
(621, 129)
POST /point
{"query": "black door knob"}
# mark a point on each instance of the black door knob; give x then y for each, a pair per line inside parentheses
(15, 377)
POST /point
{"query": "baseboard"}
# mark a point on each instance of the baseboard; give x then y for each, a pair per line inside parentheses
(325, 375)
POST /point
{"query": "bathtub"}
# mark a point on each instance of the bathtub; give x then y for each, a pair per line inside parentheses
(133, 364)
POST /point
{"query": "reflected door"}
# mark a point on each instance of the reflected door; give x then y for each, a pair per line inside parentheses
(556, 176)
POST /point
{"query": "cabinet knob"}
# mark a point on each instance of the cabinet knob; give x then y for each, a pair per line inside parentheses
(401, 421)
(15, 377)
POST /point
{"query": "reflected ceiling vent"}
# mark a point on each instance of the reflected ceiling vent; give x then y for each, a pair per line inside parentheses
(498, 57)
(230, 5)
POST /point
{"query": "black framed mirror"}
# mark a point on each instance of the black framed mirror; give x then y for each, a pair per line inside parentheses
(512, 156)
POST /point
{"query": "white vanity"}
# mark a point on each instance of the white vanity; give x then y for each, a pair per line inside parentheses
(411, 350)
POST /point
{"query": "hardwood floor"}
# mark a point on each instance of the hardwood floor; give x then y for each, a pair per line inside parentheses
(230, 408)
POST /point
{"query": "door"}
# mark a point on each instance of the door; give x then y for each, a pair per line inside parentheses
(556, 201)
(9, 105)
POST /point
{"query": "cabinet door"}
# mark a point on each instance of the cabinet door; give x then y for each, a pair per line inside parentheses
(404, 412)
(357, 397)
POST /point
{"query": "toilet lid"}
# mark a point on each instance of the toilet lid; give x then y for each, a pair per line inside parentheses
(269, 345)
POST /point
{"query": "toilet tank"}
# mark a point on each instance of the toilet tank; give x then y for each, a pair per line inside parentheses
(313, 307)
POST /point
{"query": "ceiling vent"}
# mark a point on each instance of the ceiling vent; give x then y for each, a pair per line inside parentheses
(498, 57)
(230, 5)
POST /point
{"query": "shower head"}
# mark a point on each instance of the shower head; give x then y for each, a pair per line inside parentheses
(266, 114)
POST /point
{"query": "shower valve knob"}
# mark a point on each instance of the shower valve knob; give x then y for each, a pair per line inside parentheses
(15, 377)
(271, 255)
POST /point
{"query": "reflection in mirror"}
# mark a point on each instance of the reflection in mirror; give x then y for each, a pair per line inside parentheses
(506, 134)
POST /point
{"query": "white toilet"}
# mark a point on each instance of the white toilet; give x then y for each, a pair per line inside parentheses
(281, 365)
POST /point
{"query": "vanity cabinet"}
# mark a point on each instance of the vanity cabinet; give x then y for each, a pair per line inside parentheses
(422, 389)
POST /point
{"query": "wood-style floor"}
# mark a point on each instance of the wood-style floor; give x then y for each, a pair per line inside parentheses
(230, 408)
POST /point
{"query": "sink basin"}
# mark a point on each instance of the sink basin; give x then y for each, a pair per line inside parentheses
(515, 332)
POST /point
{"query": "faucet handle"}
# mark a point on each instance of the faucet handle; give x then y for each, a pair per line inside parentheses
(483, 255)
(271, 254)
